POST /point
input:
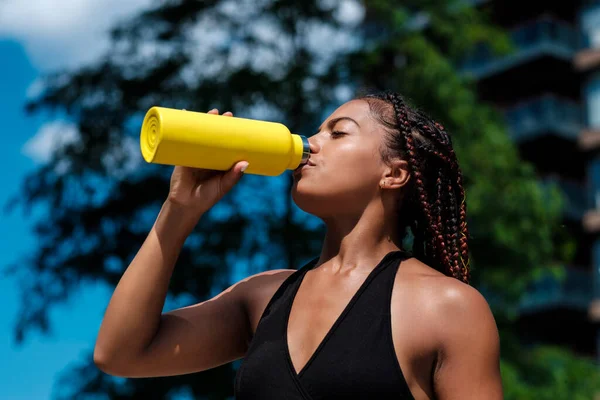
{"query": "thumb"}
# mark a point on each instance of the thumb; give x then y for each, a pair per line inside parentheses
(233, 176)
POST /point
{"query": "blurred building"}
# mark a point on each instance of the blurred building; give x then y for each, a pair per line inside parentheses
(549, 91)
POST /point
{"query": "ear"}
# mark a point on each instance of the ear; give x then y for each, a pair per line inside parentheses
(397, 174)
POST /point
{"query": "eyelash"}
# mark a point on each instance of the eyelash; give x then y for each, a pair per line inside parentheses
(337, 133)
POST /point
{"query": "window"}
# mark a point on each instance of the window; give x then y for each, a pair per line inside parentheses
(596, 268)
(590, 25)
(592, 95)
(594, 185)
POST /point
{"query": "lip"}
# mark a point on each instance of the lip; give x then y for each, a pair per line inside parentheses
(298, 170)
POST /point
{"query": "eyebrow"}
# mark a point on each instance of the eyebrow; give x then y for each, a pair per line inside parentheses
(334, 121)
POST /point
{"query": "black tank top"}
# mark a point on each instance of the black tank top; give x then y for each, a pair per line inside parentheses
(355, 360)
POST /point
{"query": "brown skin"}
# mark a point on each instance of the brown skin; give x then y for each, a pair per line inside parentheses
(444, 333)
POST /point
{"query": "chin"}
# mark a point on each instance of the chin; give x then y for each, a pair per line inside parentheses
(316, 200)
(308, 199)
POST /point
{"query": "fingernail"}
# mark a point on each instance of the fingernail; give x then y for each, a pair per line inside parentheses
(244, 166)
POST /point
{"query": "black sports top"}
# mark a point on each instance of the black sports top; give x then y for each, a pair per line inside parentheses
(355, 360)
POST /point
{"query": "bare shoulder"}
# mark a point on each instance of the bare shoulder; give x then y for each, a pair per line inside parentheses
(453, 308)
(461, 329)
(456, 299)
(446, 326)
(258, 289)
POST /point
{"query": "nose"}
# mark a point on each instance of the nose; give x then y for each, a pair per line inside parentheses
(314, 146)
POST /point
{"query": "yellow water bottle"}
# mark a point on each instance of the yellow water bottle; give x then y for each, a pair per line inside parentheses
(201, 140)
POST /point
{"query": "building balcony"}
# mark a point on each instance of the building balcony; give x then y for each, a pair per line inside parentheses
(589, 139)
(552, 303)
(574, 197)
(591, 221)
(594, 311)
(546, 129)
(541, 38)
(573, 291)
(594, 308)
(587, 59)
(543, 115)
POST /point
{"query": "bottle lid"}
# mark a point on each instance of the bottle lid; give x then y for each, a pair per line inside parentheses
(305, 149)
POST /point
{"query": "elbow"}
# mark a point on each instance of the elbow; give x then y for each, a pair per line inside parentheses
(107, 363)
(122, 365)
(102, 360)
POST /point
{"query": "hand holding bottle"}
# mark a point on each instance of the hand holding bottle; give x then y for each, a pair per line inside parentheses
(197, 190)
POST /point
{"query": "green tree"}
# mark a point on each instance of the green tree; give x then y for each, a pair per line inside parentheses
(287, 61)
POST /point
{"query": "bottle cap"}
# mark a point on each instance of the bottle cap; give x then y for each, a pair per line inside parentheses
(305, 149)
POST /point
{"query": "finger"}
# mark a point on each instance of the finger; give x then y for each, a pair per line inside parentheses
(228, 113)
(233, 176)
(204, 174)
(213, 111)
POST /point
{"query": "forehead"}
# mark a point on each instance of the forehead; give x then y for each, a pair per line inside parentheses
(358, 110)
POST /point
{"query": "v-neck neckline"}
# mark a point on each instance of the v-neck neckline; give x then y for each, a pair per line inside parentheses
(336, 322)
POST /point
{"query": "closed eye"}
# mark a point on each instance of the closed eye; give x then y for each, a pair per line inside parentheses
(337, 133)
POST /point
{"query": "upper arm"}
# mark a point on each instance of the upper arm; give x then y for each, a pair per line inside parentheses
(468, 364)
(207, 334)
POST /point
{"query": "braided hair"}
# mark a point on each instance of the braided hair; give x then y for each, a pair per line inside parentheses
(433, 207)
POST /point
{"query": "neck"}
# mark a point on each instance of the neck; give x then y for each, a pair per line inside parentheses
(359, 241)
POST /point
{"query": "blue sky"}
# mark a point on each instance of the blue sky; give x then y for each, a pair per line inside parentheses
(28, 371)
(37, 37)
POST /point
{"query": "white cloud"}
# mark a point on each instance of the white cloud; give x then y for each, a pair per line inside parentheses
(49, 137)
(66, 33)
(55, 134)
(57, 35)
(350, 12)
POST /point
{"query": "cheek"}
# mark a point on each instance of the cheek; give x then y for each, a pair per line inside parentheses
(357, 165)
(347, 178)
(354, 169)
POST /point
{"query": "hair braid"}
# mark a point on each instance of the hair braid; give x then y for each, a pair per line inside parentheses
(442, 232)
(414, 163)
(464, 231)
(452, 227)
(434, 207)
(463, 253)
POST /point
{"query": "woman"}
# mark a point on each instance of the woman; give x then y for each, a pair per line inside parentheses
(365, 319)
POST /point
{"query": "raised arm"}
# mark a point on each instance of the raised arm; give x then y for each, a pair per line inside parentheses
(135, 339)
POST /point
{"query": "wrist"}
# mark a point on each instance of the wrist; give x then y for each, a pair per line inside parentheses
(176, 220)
